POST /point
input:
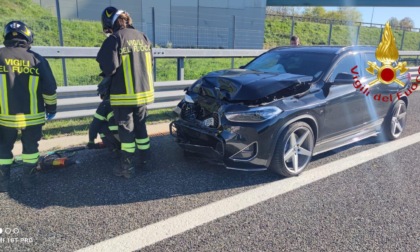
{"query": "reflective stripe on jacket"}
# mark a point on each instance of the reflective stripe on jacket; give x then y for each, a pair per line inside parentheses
(126, 56)
(27, 88)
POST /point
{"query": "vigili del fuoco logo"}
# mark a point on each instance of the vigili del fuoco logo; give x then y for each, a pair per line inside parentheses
(386, 73)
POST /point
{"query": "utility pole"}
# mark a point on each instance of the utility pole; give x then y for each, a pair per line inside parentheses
(60, 33)
(371, 18)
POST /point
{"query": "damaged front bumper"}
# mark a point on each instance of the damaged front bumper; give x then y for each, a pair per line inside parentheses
(233, 147)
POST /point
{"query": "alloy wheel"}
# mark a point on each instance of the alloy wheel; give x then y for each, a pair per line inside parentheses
(398, 120)
(298, 150)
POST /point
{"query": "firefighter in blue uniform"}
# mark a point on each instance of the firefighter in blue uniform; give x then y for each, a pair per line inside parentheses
(126, 57)
(27, 97)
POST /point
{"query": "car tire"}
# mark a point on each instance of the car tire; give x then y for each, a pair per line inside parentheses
(394, 122)
(294, 150)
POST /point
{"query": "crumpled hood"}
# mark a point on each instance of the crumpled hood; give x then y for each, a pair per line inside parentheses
(244, 84)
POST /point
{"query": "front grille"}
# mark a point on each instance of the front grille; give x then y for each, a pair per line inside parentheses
(194, 113)
(188, 112)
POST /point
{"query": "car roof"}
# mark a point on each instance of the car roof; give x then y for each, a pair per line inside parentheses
(326, 49)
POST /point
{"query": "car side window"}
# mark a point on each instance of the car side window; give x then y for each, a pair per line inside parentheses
(372, 58)
(344, 65)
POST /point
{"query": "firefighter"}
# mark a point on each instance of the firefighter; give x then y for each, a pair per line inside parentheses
(126, 57)
(27, 97)
(103, 123)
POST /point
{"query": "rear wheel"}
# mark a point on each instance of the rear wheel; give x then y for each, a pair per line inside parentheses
(293, 150)
(394, 122)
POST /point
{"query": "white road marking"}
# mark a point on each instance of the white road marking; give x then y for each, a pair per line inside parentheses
(175, 225)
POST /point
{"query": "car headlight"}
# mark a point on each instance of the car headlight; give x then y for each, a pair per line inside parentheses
(253, 115)
(188, 99)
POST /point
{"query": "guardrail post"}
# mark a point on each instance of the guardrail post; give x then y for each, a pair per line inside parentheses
(402, 40)
(180, 68)
(154, 69)
(380, 35)
(357, 34)
(329, 34)
(60, 34)
(293, 26)
(154, 26)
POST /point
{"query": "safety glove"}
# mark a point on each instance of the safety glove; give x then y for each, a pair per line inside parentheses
(49, 116)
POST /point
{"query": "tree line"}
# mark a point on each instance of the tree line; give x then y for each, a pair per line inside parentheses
(348, 14)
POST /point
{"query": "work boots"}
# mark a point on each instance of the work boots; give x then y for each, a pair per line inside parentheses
(4, 178)
(28, 178)
(126, 168)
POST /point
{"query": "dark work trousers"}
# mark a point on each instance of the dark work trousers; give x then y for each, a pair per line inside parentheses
(30, 138)
(132, 128)
(108, 138)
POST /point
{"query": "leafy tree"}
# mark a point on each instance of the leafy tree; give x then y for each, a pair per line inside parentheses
(407, 23)
(283, 10)
(314, 12)
(349, 14)
(393, 22)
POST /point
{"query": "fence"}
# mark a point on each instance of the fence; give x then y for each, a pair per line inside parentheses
(317, 31)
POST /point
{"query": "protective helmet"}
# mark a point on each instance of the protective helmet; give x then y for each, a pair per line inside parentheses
(15, 29)
(109, 15)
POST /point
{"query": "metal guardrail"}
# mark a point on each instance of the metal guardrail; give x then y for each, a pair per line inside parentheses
(414, 71)
(91, 52)
(79, 101)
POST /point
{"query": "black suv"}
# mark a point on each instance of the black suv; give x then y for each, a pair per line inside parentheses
(289, 104)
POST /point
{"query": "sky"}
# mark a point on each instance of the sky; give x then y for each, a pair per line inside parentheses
(382, 14)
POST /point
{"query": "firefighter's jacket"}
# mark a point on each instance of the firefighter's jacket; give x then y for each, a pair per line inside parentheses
(104, 117)
(27, 87)
(126, 56)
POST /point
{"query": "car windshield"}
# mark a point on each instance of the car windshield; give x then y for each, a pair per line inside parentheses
(295, 62)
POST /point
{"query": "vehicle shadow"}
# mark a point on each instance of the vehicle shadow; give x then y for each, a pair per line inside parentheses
(168, 174)
(364, 142)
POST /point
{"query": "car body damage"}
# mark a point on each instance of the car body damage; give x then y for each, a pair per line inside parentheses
(280, 109)
(248, 86)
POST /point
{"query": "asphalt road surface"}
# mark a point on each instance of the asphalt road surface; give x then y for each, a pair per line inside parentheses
(363, 197)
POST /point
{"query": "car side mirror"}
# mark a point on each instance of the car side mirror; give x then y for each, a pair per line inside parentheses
(343, 78)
